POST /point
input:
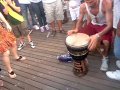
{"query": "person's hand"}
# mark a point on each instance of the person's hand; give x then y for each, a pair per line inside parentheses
(8, 27)
(72, 31)
(94, 39)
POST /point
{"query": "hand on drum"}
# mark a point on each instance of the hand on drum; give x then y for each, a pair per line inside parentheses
(71, 32)
(94, 39)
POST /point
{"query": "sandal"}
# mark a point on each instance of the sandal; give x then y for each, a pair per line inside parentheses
(21, 58)
(12, 74)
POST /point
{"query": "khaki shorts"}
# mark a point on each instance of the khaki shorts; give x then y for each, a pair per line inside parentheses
(54, 11)
(20, 30)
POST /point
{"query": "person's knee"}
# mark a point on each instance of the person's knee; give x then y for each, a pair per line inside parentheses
(7, 53)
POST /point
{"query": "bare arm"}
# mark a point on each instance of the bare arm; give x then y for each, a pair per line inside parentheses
(80, 20)
(109, 17)
(13, 5)
(6, 23)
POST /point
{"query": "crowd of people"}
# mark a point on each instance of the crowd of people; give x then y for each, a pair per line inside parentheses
(96, 18)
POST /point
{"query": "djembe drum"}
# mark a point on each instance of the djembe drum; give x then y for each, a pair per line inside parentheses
(77, 45)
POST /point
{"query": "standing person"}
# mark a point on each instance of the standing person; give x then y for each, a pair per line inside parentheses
(37, 6)
(11, 9)
(74, 8)
(25, 7)
(99, 13)
(65, 9)
(54, 12)
(116, 25)
(8, 41)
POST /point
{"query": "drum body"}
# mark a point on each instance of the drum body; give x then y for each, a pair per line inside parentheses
(77, 45)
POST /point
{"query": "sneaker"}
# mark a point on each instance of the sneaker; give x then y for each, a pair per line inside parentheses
(114, 74)
(32, 44)
(12, 74)
(36, 27)
(46, 27)
(65, 58)
(118, 63)
(21, 46)
(104, 65)
(42, 29)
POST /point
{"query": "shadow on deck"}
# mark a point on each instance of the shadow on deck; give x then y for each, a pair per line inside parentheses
(42, 71)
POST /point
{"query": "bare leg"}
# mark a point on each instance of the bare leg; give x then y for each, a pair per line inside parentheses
(29, 38)
(14, 51)
(106, 48)
(104, 65)
(52, 24)
(6, 60)
(59, 22)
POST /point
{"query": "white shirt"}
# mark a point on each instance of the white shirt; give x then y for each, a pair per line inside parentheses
(35, 1)
(24, 1)
(116, 6)
(73, 3)
(48, 1)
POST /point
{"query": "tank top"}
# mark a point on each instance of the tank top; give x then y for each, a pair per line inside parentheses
(99, 19)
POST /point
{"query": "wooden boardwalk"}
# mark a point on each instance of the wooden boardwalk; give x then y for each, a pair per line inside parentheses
(42, 71)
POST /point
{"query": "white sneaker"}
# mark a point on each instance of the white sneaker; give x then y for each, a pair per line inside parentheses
(118, 63)
(21, 46)
(47, 27)
(104, 65)
(32, 44)
(42, 29)
(36, 27)
(114, 74)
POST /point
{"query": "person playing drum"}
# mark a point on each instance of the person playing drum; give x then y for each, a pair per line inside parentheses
(99, 28)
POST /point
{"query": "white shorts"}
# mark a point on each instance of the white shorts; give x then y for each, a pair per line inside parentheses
(74, 12)
(54, 11)
(116, 13)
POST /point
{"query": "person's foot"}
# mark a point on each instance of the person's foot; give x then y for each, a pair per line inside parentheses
(62, 31)
(53, 33)
(21, 46)
(104, 65)
(12, 74)
(42, 29)
(36, 27)
(64, 58)
(20, 58)
(32, 44)
(118, 63)
(113, 74)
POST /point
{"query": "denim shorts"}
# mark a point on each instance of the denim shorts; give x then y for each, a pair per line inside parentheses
(117, 47)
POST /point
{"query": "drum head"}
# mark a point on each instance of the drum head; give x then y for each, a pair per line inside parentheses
(77, 40)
